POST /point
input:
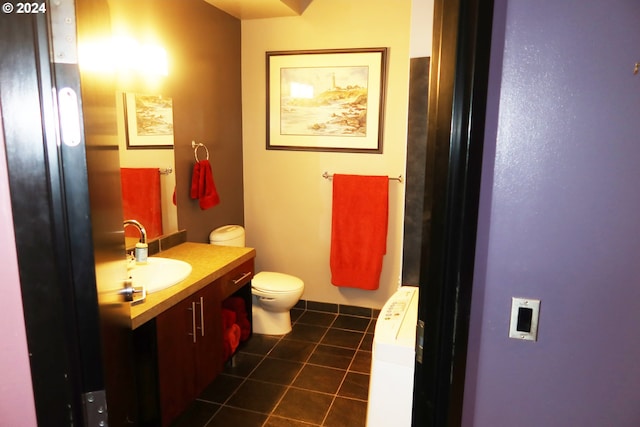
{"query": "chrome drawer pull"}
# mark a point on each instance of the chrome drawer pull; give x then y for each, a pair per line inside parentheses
(241, 278)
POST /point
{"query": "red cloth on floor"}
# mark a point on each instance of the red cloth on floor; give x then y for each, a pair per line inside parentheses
(202, 186)
(141, 200)
(359, 230)
(237, 305)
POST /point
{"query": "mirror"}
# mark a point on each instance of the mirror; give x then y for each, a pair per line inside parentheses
(137, 71)
(145, 139)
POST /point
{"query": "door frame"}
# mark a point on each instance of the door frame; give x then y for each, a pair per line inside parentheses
(455, 128)
(49, 200)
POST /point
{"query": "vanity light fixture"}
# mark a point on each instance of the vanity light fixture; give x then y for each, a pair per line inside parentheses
(123, 54)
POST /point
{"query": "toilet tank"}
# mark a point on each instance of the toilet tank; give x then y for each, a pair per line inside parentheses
(227, 235)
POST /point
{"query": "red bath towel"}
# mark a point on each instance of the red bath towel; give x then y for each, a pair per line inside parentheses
(202, 186)
(359, 230)
(141, 200)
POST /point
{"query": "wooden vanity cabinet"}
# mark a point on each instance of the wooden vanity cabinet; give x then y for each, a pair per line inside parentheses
(189, 338)
(189, 341)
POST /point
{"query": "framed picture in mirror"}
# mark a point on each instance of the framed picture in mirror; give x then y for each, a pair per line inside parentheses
(326, 100)
(148, 121)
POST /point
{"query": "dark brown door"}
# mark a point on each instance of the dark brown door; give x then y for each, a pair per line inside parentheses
(70, 258)
(456, 110)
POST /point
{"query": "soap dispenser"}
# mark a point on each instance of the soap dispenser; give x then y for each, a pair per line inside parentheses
(141, 253)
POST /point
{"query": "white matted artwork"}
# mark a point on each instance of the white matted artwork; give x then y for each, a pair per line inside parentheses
(148, 121)
(326, 100)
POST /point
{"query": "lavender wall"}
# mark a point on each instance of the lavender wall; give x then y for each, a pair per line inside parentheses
(560, 219)
(17, 407)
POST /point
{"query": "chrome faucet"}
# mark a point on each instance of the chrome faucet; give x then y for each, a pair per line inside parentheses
(142, 250)
(140, 227)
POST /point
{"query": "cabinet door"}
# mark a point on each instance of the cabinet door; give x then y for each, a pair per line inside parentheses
(208, 354)
(176, 346)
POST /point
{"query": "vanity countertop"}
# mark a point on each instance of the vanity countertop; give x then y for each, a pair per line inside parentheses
(208, 262)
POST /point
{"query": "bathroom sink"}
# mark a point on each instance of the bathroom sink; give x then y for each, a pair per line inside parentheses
(159, 273)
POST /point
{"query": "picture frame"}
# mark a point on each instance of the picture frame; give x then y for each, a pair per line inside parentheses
(326, 100)
(148, 121)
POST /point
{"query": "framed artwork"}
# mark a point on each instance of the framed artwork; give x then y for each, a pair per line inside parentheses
(326, 100)
(148, 121)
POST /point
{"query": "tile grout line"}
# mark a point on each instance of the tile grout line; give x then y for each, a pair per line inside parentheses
(306, 362)
(289, 386)
(335, 396)
(244, 380)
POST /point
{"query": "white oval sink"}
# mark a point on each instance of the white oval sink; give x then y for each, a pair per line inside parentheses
(159, 273)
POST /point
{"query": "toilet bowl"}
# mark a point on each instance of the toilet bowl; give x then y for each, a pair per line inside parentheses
(273, 294)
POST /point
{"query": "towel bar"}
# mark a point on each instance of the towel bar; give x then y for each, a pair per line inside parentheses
(391, 178)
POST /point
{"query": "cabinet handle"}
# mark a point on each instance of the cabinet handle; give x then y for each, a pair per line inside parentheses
(241, 278)
(201, 316)
(193, 320)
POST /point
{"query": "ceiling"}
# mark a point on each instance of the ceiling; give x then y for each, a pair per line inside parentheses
(259, 9)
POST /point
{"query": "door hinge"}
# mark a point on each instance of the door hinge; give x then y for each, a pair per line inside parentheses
(95, 408)
(63, 32)
(419, 340)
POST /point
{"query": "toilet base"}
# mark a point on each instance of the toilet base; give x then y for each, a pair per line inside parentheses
(269, 322)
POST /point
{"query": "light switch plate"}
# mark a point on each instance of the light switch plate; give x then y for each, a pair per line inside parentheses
(524, 307)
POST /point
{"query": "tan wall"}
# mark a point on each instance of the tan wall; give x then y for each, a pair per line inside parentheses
(287, 202)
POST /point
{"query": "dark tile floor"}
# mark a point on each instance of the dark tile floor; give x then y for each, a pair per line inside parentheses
(317, 375)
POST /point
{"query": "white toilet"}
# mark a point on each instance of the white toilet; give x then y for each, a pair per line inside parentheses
(273, 294)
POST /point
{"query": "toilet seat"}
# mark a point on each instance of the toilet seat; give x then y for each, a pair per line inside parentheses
(276, 283)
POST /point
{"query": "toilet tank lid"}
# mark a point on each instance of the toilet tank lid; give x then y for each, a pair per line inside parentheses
(226, 232)
(270, 281)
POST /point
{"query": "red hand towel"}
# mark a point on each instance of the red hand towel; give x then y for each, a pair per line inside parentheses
(228, 318)
(245, 328)
(359, 230)
(233, 337)
(195, 182)
(237, 305)
(230, 333)
(141, 200)
(202, 185)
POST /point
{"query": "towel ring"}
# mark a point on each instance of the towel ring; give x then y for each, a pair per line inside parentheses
(195, 147)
